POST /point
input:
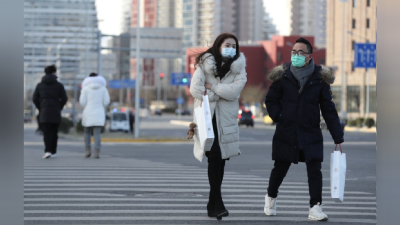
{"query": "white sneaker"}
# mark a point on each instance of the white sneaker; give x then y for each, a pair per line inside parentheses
(53, 155)
(46, 155)
(270, 206)
(317, 214)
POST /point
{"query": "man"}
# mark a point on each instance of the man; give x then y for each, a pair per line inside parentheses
(300, 89)
(50, 97)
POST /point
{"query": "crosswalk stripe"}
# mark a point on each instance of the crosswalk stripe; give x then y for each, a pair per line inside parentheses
(134, 181)
(162, 185)
(188, 218)
(163, 189)
(184, 212)
(184, 200)
(224, 196)
(229, 205)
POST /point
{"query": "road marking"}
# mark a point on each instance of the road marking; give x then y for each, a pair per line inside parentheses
(190, 218)
(201, 205)
(202, 199)
(158, 211)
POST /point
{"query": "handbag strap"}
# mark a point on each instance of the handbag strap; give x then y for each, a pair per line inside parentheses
(340, 148)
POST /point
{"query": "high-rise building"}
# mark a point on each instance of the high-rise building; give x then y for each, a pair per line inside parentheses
(126, 14)
(309, 19)
(60, 32)
(204, 20)
(360, 27)
(269, 28)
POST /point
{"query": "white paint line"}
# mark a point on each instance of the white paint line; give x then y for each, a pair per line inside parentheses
(161, 185)
(136, 181)
(139, 176)
(279, 206)
(224, 196)
(180, 190)
(189, 218)
(194, 199)
(182, 211)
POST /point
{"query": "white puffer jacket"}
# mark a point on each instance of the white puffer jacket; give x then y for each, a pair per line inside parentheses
(94, 97)
(223, 101)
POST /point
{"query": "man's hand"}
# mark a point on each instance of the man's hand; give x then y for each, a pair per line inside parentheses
(208, 86)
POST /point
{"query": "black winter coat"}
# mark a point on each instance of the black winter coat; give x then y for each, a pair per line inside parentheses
(50, 97)
(298, 115)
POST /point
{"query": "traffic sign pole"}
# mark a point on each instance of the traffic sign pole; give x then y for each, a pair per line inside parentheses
(138, 80)
(367, 103)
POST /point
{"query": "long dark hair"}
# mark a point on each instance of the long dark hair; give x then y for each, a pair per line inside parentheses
(222, 70)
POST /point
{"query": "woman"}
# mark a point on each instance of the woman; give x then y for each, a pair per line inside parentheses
(220, 72)
(94, 97)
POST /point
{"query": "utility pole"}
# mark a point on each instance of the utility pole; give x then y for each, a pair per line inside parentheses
(138, 78)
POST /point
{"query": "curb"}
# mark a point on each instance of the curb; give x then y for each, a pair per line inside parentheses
(142, 140)
(364, 130)
(180, 122)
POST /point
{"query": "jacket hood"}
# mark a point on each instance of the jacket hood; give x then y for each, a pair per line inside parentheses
(325, 73)
(99, 80)
(49, 79)
(94, 86)
(209, 66)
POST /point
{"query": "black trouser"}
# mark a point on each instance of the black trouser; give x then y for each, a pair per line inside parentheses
(50, 136)
(314, 180)
(216, 167)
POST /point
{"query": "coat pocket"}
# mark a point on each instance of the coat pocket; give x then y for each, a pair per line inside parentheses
(230, 134)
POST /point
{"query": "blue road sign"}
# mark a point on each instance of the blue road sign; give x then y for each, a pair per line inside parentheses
(365, 55)
(118, 84)
(129, 83)
(180, 79)
(115, 84)
(180, 101)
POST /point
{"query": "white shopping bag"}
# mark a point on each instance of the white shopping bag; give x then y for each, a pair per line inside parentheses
(338, 174)
(204, 124)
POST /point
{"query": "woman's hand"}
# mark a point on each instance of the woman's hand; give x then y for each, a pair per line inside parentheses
(208, 86)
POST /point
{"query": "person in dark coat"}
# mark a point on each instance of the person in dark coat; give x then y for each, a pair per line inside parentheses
(300, 90)
(131, 121)
(50, 97)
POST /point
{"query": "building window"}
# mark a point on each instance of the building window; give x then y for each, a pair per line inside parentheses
(354, 23)
(372, 98)
(352, 45)
(354, 3)
(337, 96)
(353, 99)
(367, 23)
(368, 3)
(352, 67)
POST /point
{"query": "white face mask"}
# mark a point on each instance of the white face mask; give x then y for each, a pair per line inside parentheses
(228, 52)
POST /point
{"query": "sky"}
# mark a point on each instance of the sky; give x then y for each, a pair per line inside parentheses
(109, 12)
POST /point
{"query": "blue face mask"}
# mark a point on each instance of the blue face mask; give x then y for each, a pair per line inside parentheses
(298, 61)
(228, 52)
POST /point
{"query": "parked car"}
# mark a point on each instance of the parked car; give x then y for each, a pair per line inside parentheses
(246, 117)
(119, 121)
(184, 111)
(156, 112)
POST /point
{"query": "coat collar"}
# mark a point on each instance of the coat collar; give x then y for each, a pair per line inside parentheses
(323, 73)
(209, 66)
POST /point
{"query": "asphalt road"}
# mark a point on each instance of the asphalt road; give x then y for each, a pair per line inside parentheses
(162, 183)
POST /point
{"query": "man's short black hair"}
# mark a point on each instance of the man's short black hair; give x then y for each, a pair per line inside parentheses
(50, 69)
(306, 42)
(93, 75)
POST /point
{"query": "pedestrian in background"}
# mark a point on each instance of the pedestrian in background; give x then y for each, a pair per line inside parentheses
(300, 90)
(220, 71)
(94, 98)
(50, 98)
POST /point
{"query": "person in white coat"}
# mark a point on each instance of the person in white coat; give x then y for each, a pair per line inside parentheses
(94, 97)
(221, 73)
